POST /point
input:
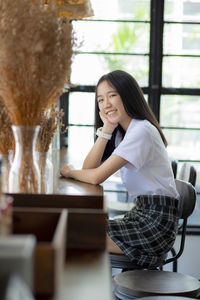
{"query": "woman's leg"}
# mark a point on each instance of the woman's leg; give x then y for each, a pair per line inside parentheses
(111, 246)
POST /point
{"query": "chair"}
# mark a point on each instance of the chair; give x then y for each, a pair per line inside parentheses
(160, 297)
(141, 283)
(188, 173)
(174, 164)
(188, 198)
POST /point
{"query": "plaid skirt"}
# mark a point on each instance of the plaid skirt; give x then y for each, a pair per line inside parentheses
(148, 230)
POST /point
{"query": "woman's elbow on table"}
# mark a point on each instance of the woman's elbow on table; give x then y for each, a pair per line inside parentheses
(97, 177)
(96, 180)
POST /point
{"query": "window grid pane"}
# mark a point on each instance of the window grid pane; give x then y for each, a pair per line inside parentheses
(87, 69)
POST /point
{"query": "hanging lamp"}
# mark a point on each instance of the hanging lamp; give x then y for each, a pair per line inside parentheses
(71, 9)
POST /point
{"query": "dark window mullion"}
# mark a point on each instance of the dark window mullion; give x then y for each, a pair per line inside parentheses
(156, 51)
(91, 89)
(113, 53)
(82, 88)
(180, 91)
(181, 55)
(180, 128)
(64, 104)
(113, 21)
(183, 22)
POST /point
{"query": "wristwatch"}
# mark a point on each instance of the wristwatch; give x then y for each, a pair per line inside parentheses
(100, 133)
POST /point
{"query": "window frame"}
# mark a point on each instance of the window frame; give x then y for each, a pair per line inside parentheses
(154, 90)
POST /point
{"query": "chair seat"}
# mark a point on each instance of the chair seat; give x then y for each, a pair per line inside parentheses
(121, 261)
(119, 207)
(166, 298)
(142, 283)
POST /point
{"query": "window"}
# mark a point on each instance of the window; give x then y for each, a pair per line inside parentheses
(129, 35)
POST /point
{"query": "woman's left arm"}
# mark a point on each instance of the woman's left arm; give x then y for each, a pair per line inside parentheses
(96, 175)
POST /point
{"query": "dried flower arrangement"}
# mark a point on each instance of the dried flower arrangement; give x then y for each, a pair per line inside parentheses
(51, 120)
(6, 134)
(35, 65)
(35, 58)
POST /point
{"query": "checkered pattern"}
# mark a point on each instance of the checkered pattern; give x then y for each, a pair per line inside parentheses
(148, 230)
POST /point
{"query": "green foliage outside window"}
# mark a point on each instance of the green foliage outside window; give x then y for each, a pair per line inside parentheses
(125, 41)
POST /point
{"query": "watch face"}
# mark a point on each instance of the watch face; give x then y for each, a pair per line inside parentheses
(100, 133)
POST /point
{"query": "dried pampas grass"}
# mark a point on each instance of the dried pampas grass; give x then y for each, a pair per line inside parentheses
(35, 58)
(6, 134)
(51, 120)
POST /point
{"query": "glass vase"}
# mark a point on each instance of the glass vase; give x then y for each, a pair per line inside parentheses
(24, 176)
(46, 172)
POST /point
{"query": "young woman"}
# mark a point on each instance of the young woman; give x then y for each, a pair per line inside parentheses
(131, 140)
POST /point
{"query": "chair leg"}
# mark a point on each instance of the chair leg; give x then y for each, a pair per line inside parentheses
(175, 266)
(175, 263)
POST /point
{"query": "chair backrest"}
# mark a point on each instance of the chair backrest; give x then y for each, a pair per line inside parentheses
(188, 173)
(174, 164)
(187, 197)
(187, 203)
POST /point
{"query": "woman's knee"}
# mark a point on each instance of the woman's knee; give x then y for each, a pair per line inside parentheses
(112, 246)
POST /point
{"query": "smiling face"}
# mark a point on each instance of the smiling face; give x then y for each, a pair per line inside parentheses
(111, 105)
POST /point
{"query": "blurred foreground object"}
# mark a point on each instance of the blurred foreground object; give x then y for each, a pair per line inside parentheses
(17, 257)
(14, 288)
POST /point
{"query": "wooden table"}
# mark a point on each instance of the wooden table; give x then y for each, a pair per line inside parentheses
(69, 186)
(67, 193)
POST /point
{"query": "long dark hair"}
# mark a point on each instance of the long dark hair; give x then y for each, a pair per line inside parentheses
(134, 103)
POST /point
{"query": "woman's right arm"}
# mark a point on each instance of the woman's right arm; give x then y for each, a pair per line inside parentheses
(93, 159)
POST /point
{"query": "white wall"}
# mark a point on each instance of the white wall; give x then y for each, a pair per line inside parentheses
(189, 262)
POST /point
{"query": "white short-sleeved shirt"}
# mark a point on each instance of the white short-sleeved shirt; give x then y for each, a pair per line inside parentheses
(148, 171)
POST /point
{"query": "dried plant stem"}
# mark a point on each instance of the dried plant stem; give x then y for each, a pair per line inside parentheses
(42, 165)
(24, 177)
(46, 172)
(28, 176)
(6, 135)
(51, 120)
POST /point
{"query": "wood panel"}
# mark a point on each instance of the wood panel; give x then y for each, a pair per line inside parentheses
(86, 229)
(58, 201)
(49, 227)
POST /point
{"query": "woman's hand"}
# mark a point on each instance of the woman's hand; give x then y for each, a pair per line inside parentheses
(65, 171)
(108, 127)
